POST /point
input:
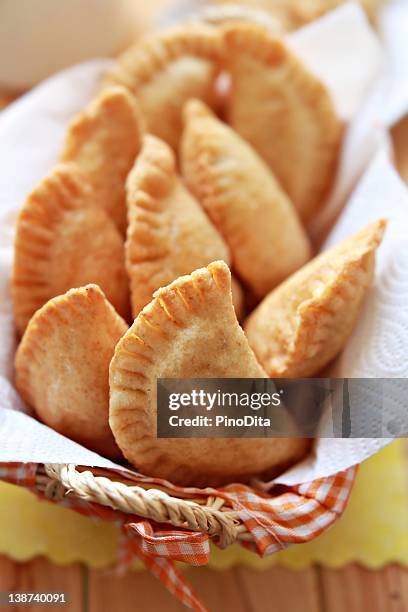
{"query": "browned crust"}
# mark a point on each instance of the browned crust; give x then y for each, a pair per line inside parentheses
(142, 62)
(301, 91)
(38, 230)
(244, 200)
(103, 140)
(138, 353)
(85, 306)
(188, 308)
(302, 325)
(154, 257)
(40, 215)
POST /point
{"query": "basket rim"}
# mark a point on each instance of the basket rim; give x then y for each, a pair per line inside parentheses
(211, 515)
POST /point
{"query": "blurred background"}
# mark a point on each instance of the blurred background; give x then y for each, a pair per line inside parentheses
(360, 564)
(39, 37)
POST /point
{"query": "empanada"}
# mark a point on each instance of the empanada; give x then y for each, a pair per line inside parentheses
(166, 69)
(62, 365)
(63, 241)
(189, 330)
(304, 323)
(168, 234)
(284, 112)
(244, 200)
(104, 141)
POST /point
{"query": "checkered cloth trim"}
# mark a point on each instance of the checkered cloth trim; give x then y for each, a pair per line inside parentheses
(298, 514)
(163, 569)
(173, 580)
(287, 515)
(166, 542)
(22, 474)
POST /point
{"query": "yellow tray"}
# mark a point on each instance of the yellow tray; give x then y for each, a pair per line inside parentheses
(373, 530)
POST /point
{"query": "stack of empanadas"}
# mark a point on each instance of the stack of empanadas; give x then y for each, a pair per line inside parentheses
(167, 181)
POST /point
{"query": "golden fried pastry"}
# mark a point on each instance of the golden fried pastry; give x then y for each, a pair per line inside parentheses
(189, 330)
(285, 112)
(304, 323)
(104, 141)
(63, 241)
(168, 234)
(166, 69)
(62, 365)
(244, 200)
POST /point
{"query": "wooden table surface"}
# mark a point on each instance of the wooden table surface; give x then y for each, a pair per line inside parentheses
(352, 589)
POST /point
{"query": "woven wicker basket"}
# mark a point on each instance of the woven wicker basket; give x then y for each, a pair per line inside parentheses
(210, 515)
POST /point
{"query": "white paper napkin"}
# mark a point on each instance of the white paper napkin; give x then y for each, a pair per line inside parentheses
(372, 115)
(378, 347)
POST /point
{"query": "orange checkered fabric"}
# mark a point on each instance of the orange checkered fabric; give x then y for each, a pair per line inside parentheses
(275, 518)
